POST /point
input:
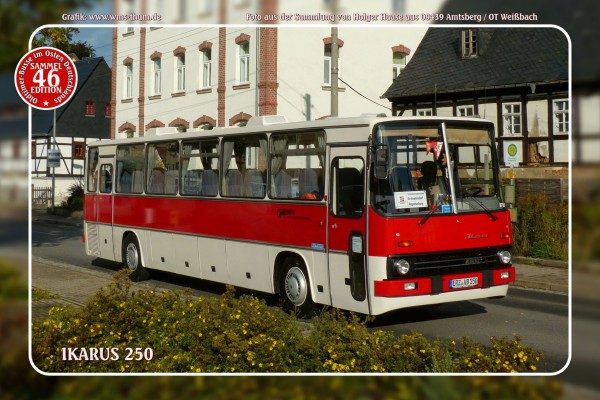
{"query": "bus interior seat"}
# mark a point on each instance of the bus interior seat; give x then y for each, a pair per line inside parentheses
(308, 181)
(210, 183)
(192, 181)
(254, 186)
(401, 179)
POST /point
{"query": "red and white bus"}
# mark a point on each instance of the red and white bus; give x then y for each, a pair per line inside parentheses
(366, 214)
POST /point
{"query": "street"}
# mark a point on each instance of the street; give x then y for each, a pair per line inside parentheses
(539, 318)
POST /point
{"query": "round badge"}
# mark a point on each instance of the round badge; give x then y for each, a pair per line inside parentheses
(512, 150)
(46, 78)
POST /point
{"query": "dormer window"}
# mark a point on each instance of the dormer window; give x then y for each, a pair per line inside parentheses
(469, 43)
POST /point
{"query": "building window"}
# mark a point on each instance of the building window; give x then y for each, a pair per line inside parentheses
(428, 112)
(180, 73)
(206, 7)
(128, 81)
(205, 126)
(90, 108)
(512, 119)
(128, 133)
(469, 43)
(107, 110)
(465, 111)
(561, 116)
(327, 65)
(206, 68)
(244, 62)
(399, 62)
(156, 76)
(79, 151)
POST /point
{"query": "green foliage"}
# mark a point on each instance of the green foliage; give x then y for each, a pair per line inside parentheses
(12, 284)
(229, 334)
(75, 200)
(20, 18)
(62, 39)
(541, 231)
(586, 228)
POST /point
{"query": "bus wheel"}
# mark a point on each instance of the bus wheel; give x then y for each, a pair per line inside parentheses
(295, 288)
(132, 259)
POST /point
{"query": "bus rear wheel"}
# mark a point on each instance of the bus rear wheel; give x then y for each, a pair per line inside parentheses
(295, 288)
(132, 259)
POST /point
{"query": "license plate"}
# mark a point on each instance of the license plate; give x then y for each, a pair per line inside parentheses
(464, 282)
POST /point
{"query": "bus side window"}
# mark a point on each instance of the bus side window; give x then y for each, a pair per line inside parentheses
(92, 171)
(106, 178)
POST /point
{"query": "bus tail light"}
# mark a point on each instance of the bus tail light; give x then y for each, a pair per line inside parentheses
(405, 243)
(505, 235)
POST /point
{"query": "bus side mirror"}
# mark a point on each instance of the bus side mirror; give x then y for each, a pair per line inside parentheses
(381, 162)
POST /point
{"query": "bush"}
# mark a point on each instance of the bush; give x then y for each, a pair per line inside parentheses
(176, 332)
(541, 231)
(74, 201)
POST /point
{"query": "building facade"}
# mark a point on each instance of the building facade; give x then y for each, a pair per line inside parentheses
(85, 118)
(204, 77)
(516, 77)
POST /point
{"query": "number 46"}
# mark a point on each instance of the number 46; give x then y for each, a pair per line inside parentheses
(53, 79)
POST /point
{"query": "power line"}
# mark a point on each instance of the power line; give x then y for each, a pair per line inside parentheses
(362, 95)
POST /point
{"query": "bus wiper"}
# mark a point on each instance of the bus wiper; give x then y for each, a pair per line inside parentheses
(488, 212)
(426, 217)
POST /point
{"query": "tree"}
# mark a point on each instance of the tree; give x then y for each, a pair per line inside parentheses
(19, 19)
(62, 39)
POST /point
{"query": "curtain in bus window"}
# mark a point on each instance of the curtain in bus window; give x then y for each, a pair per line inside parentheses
(281, 182)
(227, 154)
(321, 144)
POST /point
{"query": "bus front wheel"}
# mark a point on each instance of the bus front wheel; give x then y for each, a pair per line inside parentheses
(132, 259)
(295, 288)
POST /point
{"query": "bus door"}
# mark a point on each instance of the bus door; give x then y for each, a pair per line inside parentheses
(104, 206)
(347, 228)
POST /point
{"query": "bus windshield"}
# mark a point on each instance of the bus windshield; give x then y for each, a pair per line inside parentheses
(436, 168)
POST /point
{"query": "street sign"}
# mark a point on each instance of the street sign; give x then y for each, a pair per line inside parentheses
(53, 158)
(511, 155)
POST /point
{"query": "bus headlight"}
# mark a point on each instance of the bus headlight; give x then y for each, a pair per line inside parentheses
(504, 256)
(401, 267)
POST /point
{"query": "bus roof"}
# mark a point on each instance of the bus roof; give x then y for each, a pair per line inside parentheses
(322, 124)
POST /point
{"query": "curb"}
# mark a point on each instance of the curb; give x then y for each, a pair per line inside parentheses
(551, 287)
(541, 262)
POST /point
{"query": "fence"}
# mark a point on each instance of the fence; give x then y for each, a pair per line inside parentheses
(555, 190)
(40, 196)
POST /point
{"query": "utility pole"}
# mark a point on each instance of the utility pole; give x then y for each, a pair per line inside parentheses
(53, 146)
(334, 61)
(334, 72)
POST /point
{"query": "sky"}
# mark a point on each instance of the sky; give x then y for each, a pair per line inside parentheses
(99, 38)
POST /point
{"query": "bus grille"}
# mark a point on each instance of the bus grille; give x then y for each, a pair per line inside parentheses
(454, 262)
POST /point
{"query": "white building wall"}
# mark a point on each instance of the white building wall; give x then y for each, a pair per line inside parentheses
(537, 118)
(127, 108)
(365, 65)
(240, 100)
